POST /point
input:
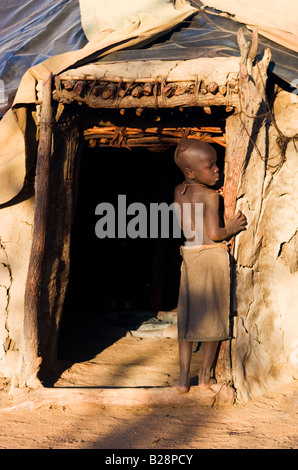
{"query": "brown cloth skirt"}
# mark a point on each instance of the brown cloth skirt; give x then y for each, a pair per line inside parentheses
(204, 294)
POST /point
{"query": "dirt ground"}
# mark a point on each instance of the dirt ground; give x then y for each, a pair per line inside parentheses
(136, 359)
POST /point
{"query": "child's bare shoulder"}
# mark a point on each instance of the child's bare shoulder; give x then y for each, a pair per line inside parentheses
(178, 191)
(179, 188)
(211, 197)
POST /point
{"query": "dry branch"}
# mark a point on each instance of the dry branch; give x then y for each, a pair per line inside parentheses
(240, 129)
(160, 101)
(29, 353)
(107, 136)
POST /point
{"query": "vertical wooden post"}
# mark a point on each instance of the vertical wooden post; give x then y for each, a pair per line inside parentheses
(30, 360)
(62, 211)
(239, 135)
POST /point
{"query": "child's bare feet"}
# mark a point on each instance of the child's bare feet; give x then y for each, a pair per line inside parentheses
(182, 384)
(205, 381)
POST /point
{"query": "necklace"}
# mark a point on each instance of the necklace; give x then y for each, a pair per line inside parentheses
(192, 184)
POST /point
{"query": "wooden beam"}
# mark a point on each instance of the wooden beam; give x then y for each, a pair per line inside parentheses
(63, 175)
(134, 137)
(105, 128)
(186, 100)
(240, 134)
(240, 130)
(30, 360)
(147, 141)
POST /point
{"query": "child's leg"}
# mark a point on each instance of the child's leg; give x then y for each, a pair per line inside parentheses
(209, 351)
(185, 353)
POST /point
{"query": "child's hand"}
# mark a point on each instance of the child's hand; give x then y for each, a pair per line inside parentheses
(236, 223)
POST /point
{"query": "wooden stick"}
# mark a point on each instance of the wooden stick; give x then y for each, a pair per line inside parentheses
(115, 79)
(108, 131)
(104, 129)
(159, 101)
(147, 141)
(29, 352)
(148, 88)
(137, 92)
(109, 92)
(239, 130)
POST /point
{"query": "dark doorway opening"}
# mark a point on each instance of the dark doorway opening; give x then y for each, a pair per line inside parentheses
(118, 274)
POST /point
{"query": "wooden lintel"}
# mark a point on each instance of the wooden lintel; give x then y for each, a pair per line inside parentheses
(170, 96)
(187, 100)
(114, 79)
(151, 141)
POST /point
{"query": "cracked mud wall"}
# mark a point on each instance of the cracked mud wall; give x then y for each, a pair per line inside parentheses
(265, 344)
(15, 245)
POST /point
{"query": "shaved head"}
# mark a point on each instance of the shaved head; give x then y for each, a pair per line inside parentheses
(188, 152)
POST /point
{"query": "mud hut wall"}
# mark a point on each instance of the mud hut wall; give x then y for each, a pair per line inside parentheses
(264, 348)
(16, 223)
(265, 327)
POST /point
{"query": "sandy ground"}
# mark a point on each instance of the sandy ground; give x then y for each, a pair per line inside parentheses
(269, 422)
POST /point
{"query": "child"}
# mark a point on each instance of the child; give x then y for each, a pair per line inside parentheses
(204, 295)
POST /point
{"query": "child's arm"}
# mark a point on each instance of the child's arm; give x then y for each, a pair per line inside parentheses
(214, 231)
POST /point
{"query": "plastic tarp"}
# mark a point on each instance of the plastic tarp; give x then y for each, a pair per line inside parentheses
(35, 30)
(100, 15)
(208, 34)
(276, 20)
(32, 31)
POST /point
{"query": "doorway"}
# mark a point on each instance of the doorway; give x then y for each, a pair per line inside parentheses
(117, 284)
(120, 274)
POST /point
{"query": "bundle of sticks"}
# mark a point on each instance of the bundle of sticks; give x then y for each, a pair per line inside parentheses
(132, 137)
